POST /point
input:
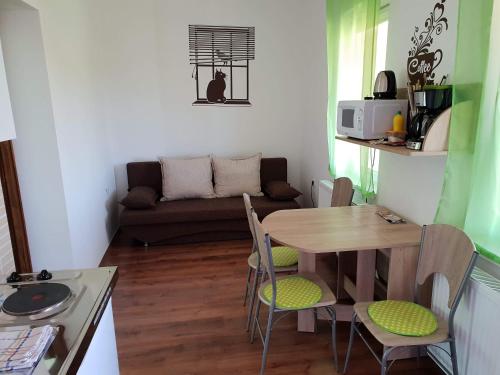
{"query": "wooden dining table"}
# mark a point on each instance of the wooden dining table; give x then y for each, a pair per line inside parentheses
(355, 228)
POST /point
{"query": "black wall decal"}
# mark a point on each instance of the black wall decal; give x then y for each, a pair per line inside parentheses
(219, 54)
(422, 61)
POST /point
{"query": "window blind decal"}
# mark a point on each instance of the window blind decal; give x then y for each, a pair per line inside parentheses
(221, 56)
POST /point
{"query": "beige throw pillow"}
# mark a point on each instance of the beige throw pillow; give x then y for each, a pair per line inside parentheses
(233, 177)
(187, 178)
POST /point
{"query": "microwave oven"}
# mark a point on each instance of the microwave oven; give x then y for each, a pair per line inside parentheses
(368, 119)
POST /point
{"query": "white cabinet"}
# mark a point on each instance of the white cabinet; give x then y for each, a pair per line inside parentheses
(7, 129)
(102, 356)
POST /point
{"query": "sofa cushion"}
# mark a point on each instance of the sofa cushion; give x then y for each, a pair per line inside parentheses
(148, 173)
(187, 178)
(281, 191)
(198, 210)
(233, 177)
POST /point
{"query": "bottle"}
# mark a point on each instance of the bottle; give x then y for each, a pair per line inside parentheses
(398, 123)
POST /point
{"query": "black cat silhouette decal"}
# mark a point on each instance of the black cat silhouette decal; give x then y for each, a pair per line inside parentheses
(216, 88)
(213, 48)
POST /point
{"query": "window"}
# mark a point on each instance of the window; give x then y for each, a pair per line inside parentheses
(359, 163)
(356, 46)
(381, 45)
(381, 33)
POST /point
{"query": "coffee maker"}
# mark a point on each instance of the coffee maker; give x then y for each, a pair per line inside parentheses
(430, 102)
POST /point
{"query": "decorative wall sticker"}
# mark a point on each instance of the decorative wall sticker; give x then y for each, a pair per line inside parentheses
(422, 62)
(221, 56)
(216, 88)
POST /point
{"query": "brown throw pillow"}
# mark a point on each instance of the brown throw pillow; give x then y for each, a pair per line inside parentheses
(140, 197)
(281, 191)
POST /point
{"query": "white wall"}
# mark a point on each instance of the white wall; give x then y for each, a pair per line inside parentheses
(7, 129)
(404, 16)
(86, 165)
(314, 159)
(147, 89)
(118, 88)
(134, 90)
(65, 170)
(36, 150)
(412, 186)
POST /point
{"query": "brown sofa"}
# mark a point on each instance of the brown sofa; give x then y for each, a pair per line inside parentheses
(196, 220)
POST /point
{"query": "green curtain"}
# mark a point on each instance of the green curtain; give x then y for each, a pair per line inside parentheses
(350, 47)
(471, 190)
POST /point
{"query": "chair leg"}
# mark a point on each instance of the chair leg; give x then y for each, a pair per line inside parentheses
(315, 312)
(453, 355)
(383, 363)
(267, 340)
(253, 293)
(351, 341)
(249, 275)
(255, 318)
(383, 366)
(334, 337)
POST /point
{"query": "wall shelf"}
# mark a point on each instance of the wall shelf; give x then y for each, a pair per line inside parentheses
(400, 150)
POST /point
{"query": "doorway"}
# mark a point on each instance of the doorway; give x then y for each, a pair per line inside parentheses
(14, 248)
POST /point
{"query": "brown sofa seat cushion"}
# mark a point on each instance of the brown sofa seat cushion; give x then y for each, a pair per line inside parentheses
(196, 210)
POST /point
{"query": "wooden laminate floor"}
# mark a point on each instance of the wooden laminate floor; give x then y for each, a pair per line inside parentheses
(178, 310)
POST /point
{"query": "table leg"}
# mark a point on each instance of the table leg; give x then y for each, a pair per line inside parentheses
(346, 266)
(365, 275)
(307, 263)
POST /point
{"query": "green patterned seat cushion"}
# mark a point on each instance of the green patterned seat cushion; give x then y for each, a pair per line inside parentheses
(403, 318)
(294, 293)
(284, 256)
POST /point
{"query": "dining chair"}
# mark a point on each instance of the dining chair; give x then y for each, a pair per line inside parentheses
(302, 291)
(342, 192)
(446, 250)
(341, 197)
(285, 260)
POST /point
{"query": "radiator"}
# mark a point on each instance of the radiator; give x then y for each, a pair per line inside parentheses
(477, 326)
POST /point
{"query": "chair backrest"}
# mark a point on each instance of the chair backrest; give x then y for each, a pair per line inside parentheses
(265, 251)
(342, 192)
(249, 210)
(449, 251)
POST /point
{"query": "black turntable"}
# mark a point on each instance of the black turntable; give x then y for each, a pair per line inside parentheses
(39, 298)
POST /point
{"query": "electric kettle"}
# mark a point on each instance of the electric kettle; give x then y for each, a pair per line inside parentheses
(385, 85)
